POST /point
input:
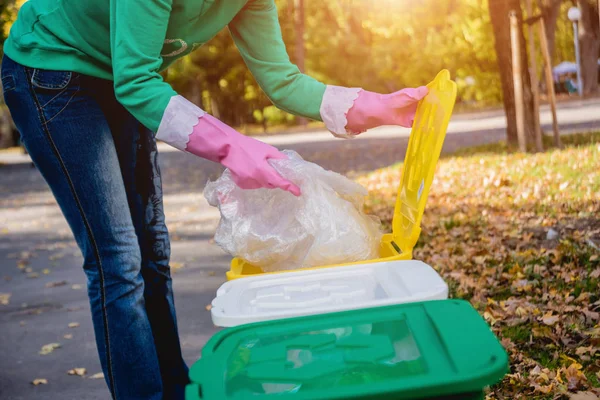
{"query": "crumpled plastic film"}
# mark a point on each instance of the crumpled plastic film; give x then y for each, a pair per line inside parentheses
(278, 231)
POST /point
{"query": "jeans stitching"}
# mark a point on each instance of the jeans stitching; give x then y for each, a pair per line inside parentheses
(65, 106)
(5, 78)
(54, 148)
(59, 93)
(41, 108)
(51, 86)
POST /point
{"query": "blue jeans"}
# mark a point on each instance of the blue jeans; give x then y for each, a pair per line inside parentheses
(101, 165)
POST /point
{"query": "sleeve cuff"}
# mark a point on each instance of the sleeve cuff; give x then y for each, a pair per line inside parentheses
(337, 101)
(178, 122)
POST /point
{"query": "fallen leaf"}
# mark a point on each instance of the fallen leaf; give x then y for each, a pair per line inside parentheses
(55, 257)
(39, 381)
(73, 324)
(33, 275)
(211, 273)
(583, 396)
(545, 389)
(550, 319)
(542, 331)
(4, 298)
(208, 307)
(45, 271)
(76, 286)
(99, 375)
(177, 265)
(77, 371)
(583, 350)
(55, 284)
(591, 315)
(575, 378)
(68, 336)
(49, 348)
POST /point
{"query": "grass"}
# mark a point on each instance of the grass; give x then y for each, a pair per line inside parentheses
(486, 231)
(581, 139)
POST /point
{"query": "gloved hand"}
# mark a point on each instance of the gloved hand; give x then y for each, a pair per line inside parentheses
(371, 110)
(246, 158)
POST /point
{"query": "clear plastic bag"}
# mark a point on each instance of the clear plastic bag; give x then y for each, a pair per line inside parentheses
(278, 231)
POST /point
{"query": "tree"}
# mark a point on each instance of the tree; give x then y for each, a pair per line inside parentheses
(8, 15)
(550, 10)
(300, 46)
(589, 40)
(499, 15)
(381, 46)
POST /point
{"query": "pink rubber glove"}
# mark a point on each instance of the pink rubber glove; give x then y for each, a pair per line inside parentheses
(245, 157)
(371, 110)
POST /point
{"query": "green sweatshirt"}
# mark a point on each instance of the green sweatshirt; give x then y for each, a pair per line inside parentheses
(131, 41)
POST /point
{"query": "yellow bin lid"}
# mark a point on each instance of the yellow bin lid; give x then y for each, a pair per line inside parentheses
(424, 148)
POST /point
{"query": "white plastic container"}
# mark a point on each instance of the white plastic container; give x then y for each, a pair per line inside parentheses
(295, 294)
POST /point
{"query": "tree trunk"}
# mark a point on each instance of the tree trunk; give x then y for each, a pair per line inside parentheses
(214, 107)
(290, 10)
(589, 44)
(6, 138)
(499, 14)
(196, 95)
(550, 11)
(300, 52)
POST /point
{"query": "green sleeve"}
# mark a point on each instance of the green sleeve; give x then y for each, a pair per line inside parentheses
(137, 32)
(257, 34)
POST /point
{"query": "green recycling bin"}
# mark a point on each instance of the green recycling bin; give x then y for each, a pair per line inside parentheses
(429, 350)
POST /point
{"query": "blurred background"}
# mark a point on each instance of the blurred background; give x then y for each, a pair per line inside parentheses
(512, 221)
(386, 45)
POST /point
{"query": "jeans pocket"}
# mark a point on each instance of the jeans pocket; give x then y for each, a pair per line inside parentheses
(50, 80)
(54, 90)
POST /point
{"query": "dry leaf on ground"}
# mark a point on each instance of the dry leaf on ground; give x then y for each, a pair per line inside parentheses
(5, 298)
(49, 348)
(77, 371)
(177, 265)
(486, 233)
(583, 396)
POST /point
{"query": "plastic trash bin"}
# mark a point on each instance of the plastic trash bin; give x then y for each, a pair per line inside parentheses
(278, 296)
(430, 350)
(424, 147)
